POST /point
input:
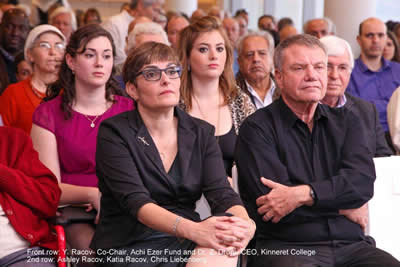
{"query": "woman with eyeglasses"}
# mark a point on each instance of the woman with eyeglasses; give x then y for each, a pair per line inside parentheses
(65, 127)
(153, 164)
(44, 50)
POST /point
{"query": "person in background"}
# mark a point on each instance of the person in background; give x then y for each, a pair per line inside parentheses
(284, 22)
(243, 30)
(208, 89)
(23, 69)
(256, 51)
(198, 13)
(174, 26)
(374, 78)
(14, 29)
(267, 23)
(153, 165)
(231, 27)
(64, 19)
(91, 15)
(44, 50)
(65, 127)
(117, 25)
(392, 49)
(317, 27)
(286, 32)
(29, 197)
(340, 65)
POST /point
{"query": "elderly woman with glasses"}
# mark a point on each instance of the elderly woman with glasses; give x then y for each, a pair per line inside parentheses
(44, 50)
(153, 164)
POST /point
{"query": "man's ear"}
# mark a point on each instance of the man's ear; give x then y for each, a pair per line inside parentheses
(278, 78)
(131, 90)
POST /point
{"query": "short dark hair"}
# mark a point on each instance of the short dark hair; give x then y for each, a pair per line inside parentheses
(145, 54)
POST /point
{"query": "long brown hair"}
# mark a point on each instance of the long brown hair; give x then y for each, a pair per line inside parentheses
(66, 79)
(187, 37)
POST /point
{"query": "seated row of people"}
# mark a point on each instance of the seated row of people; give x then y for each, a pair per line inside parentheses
(158, 160)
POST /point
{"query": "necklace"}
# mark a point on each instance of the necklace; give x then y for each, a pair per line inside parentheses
(205, 118)
(91, 121)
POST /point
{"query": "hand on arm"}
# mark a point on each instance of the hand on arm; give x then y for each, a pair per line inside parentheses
(282, 200)
(359, 216)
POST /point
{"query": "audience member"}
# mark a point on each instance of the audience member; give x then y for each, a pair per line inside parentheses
(28, 198)
(303, 167)
(145, 32)
(340, 64)
(208, 87)
(392, 49)
(197, 14)
(393, 120)
(91, 15)
(23, 69)
(284, 22)
(243, 30)
(65, 127)
(137, 20)
(244, 14)
(216, 12)
(118, 25)
(286, 32)
(231, 27)
(150, 183)
(174, 26)
(14, 28)
(256, 51)
(161, 18)
(44, 50)
(267, 22)
(317, 27)
(374, 78)
(64, 19)
(396, 31)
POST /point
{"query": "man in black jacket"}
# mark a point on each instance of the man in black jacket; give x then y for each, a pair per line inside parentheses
(304, 168)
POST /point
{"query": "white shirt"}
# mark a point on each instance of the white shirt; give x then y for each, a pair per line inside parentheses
(342, 101)
(268, 97)
(118, 26)
(10, 240)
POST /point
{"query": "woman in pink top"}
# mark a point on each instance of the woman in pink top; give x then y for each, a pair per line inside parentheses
(65, 128)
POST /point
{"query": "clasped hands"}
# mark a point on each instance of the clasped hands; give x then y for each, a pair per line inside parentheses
(282, 200)
(227, 235)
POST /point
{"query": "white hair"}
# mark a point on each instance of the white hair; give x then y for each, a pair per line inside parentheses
(263, 34)
(62, 10)
(336, 46)
(145, 28)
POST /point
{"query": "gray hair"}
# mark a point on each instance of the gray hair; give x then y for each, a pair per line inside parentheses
(336, 46)
(263, 34)
(145, 3)
(62, 10)
(327, 22)
(145, 28)
(300, 39)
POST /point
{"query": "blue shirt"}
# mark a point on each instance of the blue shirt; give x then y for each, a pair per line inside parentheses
(375, 86)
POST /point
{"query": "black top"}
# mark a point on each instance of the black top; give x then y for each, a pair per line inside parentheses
(333, 159)
(370, 125)
(227, 143)
(131, 174)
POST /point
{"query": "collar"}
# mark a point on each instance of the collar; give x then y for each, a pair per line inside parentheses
(385, 65)
(271, 91)
(290, 118)
(7, 55)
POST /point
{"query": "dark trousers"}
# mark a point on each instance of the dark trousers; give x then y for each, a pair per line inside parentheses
(324, 254)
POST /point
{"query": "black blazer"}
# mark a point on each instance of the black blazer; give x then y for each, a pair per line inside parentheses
(370, 124)
(131, 174)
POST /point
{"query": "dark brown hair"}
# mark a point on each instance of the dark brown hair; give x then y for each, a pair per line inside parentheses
(66, 80)
(187, 37)
(146, 54)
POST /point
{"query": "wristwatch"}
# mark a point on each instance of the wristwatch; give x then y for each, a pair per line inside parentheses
(312, 194)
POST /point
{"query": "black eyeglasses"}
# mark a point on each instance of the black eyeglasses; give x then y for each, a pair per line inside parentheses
(154, 74)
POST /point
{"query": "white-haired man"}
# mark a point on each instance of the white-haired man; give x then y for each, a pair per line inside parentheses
(256, 51)
(340, 65)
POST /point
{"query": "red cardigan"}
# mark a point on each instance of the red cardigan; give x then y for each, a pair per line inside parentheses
(29, 192)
